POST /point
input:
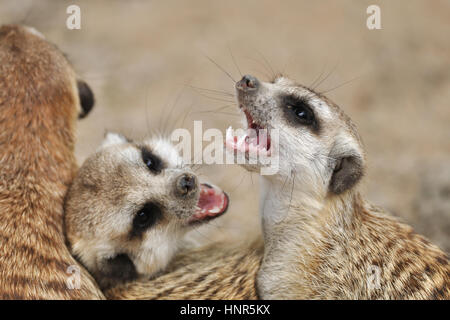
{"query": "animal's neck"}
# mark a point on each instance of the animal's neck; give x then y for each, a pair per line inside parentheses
(285, 206)
(36, 152)
(295, 224)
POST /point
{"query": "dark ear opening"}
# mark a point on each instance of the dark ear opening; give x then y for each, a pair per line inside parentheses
(86, 98)
(117, 270)
(347, 172)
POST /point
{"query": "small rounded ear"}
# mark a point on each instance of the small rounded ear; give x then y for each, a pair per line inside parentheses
(347, 172)
(112, 138)
(117, 270)
(348, 164)
(87, 100)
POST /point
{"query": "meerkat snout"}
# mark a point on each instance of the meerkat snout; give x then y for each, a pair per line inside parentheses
(186, 185)
(130, 205)
(247, 83)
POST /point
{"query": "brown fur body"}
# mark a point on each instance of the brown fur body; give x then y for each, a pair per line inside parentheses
(39, 105)
(335, 266)
(339, 251)
(211, 272)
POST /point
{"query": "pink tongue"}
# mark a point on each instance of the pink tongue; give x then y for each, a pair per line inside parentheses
(212, 202)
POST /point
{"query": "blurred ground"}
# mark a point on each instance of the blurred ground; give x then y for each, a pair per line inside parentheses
(139, 55)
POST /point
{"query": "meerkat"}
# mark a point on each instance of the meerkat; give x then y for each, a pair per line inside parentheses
(215, 271)
(322, 240)
(40, 100)
(130, 205)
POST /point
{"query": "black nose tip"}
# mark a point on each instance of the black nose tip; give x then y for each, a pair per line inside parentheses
(247, 83)
(187, 183)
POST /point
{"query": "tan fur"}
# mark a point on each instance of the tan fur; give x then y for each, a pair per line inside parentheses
(337, 250)
(39, 105)
(210, 272)
(333, 266)
(321, 239)
(112, 190)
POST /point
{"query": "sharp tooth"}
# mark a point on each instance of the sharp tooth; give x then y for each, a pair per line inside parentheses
(215, 210)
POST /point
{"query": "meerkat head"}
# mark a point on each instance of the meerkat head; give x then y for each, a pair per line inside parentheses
(29, 59)
(129, 206)
(317, 143)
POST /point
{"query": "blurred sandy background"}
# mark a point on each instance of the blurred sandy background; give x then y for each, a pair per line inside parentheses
(139, 57)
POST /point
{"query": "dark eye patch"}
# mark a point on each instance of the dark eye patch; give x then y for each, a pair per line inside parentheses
(299, 112)
(146, 217)
(152, 161)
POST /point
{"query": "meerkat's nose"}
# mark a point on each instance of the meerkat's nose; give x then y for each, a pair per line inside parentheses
(247, 83)
(186, 184)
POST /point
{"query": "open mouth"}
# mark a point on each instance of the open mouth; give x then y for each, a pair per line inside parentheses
(255, 142)
(213, 202)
